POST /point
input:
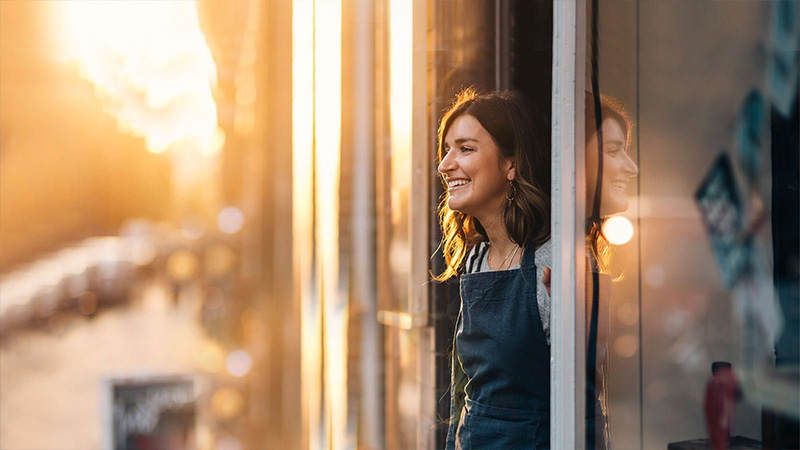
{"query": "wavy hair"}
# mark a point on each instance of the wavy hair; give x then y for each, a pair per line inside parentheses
(610, 108)
(506, 117)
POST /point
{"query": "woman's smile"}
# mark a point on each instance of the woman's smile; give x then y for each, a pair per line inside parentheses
(456, 184)
(620, 184)
(618, 169)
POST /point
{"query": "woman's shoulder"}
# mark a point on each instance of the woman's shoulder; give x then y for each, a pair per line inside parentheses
(545, 251)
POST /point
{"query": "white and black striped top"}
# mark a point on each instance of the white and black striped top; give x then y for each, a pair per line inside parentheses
(478, 261)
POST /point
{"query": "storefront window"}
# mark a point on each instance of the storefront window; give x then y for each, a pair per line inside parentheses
(692, 231)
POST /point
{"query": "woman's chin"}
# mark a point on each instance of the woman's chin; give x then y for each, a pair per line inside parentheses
(613, 207)
(454, 205)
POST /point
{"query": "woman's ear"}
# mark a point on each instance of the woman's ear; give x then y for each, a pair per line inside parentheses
(511, 174)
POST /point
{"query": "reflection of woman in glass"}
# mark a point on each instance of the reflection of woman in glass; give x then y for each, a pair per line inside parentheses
(610, 175)
(617, 170)
(495, 217)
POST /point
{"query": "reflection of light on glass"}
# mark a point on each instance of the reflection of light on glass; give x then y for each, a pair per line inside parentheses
(400, 131)
(328, 125)
(303, 205)
(182, 265)
(401, 74)
(654, 275)
(226, 403)
(239, 363)
(401, 91)
(327, 121)
(618, 230)
(628, 314)
(230, 220)
(149, 61)
(626, 345)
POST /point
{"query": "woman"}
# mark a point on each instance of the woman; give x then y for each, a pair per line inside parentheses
(495, 214)
(607, 178)
(613, 176)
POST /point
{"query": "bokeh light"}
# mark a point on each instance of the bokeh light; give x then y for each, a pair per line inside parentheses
(227, 403)
(182, 265)
(239, 363)
(230, 220)
(628, 313)
(618, 230)
(626, 345)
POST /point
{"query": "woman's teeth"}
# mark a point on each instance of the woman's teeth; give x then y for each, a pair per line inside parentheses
(456, 183)
(619, 184)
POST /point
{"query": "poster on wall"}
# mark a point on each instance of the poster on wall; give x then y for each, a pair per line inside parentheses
(721, 207)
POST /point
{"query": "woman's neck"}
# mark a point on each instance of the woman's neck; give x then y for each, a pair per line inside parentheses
(501, 245)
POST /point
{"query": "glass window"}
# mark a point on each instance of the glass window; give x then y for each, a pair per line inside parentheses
(692, 224)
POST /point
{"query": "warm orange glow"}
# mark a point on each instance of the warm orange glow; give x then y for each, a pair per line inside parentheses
(150, 63)
(303, 212)
(401, 72)
(618, 230)
(328, 128)
(401, 94)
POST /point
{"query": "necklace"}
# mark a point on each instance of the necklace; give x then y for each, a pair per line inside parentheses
(511, 252)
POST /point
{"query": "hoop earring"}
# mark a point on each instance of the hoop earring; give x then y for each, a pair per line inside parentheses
(513, 193)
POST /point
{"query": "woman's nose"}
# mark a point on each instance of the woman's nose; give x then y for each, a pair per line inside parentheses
(447, 163)
(630, 167)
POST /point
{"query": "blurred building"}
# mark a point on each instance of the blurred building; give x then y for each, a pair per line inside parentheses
(218, 228)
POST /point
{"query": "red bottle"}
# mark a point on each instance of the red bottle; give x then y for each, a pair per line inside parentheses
(722, 391)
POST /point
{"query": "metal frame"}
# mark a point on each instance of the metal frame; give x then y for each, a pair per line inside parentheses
(568, 326)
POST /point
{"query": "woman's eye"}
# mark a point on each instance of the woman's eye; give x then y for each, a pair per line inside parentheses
(466, 149)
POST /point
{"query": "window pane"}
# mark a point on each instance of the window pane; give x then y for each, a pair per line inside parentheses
(704, 207)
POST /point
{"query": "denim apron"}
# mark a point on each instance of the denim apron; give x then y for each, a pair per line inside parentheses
(501, 348)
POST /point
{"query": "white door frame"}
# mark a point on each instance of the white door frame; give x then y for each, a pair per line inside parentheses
(568, 350)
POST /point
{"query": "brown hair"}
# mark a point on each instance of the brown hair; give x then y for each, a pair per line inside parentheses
(610, 108)
(506, 117)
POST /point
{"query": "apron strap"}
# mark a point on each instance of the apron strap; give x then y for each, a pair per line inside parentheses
(529, 258)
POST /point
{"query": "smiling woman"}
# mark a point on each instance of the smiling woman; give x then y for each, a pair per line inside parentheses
(500, 176)
(496, 209)
(616, 170)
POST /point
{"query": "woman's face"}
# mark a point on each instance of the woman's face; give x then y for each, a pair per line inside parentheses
(477, 175)
(618, 169)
